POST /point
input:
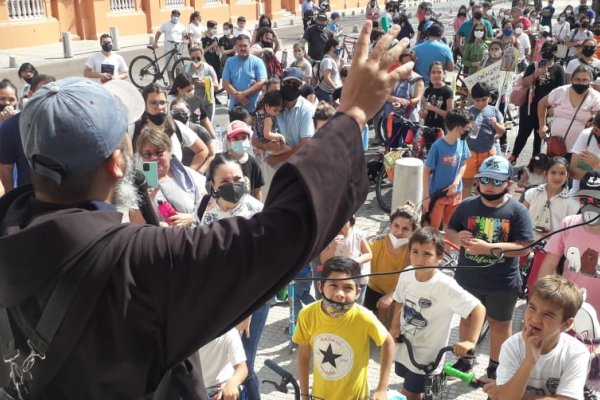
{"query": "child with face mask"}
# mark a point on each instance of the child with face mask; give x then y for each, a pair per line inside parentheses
(432, 297)
(338, 331)
(238, 142)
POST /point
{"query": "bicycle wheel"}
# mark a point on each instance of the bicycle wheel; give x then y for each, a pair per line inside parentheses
(178, 65)
(383, 190)
(143, 71)
(380, 129)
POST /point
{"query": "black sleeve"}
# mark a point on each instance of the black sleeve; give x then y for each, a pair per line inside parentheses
(559, 75)
(447, 93)
(529, 70)
(256, 177)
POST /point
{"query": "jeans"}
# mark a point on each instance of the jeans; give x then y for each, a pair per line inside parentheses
(322, 95)
(302, 291)
(257, 325)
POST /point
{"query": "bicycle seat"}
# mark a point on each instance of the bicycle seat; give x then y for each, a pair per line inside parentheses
(150, 47)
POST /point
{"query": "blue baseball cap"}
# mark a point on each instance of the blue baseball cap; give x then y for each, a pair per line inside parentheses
(69, 127)
(495, 167)
(293, 73)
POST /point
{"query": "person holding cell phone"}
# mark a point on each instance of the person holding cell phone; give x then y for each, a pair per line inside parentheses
(176, 191)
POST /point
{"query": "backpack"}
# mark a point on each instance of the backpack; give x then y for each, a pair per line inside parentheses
(273, 65)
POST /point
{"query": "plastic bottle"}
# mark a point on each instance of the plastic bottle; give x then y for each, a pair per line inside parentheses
(166, 209)
(219, 134)
(386, 22)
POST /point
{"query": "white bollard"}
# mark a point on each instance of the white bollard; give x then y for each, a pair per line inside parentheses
(150, 40)
(114, 33)
(12, 61)
(355, 28)
(67, 45)
(408, 182)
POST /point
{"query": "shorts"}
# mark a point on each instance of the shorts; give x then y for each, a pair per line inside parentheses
(414, 383)
(475, 161)
(500, 304)
(443, 209)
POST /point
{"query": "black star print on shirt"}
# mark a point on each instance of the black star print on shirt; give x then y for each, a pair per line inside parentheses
(329, 356)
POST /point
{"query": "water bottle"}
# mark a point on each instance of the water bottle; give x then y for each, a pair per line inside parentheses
(219, 134)
(386, 22)
(166, 209)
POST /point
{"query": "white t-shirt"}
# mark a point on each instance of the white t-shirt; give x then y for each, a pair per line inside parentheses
(574, 63)
(564, 112)
(173, 33)
(237, 31)
(561, 32)
(524, 44)
(99, 62)
(328, 63)
(428, 308)
(218, 357)
(561, 372)
(188, 137)
(350, 247)
(197, 31)
(305, 66)
(581, 144)
(560, 206)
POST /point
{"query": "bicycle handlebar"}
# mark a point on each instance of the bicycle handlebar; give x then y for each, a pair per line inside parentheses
(430, 367)
(286, 378)
(466, 377)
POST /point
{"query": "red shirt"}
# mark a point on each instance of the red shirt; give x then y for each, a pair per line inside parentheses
(525, 21)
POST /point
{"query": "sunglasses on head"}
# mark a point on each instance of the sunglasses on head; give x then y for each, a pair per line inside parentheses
(487, 181)
(584, 201)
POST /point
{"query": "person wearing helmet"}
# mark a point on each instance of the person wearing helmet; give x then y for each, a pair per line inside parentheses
(334, 25)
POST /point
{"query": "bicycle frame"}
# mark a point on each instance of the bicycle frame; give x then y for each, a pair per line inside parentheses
(175, 52)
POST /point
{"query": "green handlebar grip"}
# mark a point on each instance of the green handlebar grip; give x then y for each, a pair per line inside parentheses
(463, 376)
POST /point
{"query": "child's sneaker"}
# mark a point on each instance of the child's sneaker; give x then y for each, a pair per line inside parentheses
(463, 365)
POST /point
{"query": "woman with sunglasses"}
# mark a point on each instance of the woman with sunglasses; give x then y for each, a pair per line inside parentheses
(156, 116)
(180, 189)
(205, 79)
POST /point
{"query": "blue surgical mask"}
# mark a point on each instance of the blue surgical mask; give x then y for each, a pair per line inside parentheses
(240, 146)
(507, 32)
(338, 52)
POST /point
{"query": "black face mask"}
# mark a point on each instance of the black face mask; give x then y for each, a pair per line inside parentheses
(477, 15)
(545, 34)
(181, 116)
(588, 51)
(548, 55)
(266, 44)
(28, 80)
(3, 106)
(585, 25)
(232, 192)
(290, 92)
(157, 119)
(580, 88)
(493, 197)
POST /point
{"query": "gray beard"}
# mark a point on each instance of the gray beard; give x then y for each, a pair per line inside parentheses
(126, 195)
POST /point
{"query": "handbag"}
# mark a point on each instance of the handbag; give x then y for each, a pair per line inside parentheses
(557, 146)
(519, 93)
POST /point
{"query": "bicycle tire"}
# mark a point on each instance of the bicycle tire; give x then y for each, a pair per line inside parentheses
(380, 129)
(383, 190)
(143, 71)
(178, 66)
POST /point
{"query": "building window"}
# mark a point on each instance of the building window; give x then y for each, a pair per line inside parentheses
(212, 2)
(26, 9)
(122, 5)
(174, 3)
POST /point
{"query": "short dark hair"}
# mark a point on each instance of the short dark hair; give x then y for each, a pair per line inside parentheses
(457, 118)
(480, 90)
(341, 264)
(39, 79)
(211, 23)
(241, 18)
(344, 72)
(176, 12)
(238, 113)
(105, 36)
(426, 235)
(241, 37)
(26, 67)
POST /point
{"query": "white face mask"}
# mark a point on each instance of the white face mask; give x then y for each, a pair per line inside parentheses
(561, 19)
(478, 34)
(226, 32)
(397, 242)
(496, 54)
(518, 31)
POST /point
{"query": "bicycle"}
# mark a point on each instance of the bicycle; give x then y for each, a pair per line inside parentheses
(144, 70)
(213, 391)
(435, 384)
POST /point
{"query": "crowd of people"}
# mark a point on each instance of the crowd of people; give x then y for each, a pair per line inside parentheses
(264, 202)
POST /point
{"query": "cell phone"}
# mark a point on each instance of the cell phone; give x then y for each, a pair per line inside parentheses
(543, 63)
(150, 169)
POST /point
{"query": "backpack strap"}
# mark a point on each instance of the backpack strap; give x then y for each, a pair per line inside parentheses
(202, 206)
(53, 314)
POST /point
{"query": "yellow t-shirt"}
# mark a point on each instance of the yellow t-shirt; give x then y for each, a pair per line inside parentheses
(340, 349)
(384, 261)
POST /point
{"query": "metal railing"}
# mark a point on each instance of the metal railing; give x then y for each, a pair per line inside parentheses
(26, 9)
(174, 3)
(122, 5)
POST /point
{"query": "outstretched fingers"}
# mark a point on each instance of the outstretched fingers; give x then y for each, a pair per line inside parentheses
(361, 49)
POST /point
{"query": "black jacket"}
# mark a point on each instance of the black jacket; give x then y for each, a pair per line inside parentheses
(159, 294)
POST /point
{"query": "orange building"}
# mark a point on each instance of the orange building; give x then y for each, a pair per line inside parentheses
(34, 22)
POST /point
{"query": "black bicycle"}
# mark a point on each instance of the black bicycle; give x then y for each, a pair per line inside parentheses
(286, 379)
(144, 70)
(435, 384)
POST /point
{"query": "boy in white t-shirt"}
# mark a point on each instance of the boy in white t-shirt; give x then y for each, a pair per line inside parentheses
(425, 301)
(542, 360)
(223, 363)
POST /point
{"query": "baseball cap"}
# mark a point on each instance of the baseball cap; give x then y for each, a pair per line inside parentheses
(495, 167)
(237, 128)
(293, 73)
(589, 185)
(322, 16)
(70, 127)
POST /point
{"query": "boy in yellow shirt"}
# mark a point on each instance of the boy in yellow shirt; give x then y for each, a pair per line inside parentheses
(334, 331)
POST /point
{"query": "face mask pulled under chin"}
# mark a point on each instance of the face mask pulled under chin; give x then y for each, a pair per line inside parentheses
(492, 197)
(590, 214)
(397, 242)
(157, 119)
(335, 309)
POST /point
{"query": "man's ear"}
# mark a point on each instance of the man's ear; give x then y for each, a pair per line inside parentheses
(116, 164)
